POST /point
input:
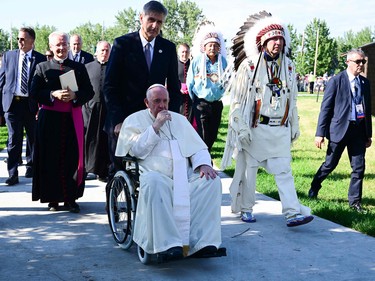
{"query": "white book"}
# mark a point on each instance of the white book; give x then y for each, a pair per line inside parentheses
(68, 79)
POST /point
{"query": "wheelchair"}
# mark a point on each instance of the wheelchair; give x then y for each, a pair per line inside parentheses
(122, 198)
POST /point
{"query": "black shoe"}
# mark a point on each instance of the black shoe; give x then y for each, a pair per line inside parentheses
(53, 206)
(173, 253)
(313, 194)
(12, 180)
(206, 252)
(90, 176)
(29, 172)
(358, 208)
(73, 207)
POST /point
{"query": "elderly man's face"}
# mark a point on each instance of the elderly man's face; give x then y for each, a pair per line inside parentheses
(75, 44)
(151, 25)
(356, 64)
(274, 46)
(158, 100)
(59, 46)
(183, 53)
(103, 51)
(211, 49)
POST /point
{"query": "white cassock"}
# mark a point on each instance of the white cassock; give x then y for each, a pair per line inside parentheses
(175, 206)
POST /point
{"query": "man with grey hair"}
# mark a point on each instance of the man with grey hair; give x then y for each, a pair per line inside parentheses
(178, 211)
(76, 53)
(345, 120)
(58, 156)
(138, 60)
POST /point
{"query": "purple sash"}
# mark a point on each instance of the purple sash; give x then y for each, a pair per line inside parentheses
(76, 112)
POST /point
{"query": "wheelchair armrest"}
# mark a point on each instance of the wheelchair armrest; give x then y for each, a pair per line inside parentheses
(129, 158)
(130, 164)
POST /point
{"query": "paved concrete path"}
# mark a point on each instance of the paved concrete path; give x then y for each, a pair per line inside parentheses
(36, 244)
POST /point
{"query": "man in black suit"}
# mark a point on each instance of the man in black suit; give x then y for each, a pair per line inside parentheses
(76, 53)
(129, 73)
(345, 120)
(16, 73)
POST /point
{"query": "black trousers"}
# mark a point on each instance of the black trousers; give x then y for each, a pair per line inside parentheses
(18, 118)
(208, 118)
(355, 142)
(115, 162)
(311, 85)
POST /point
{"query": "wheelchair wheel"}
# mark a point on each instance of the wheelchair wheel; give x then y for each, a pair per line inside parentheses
(121, 209)
(143, 256)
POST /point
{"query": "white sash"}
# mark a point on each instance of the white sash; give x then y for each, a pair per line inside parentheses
(181, 196)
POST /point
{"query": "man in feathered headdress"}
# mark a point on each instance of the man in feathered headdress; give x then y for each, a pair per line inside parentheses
(204, 81)
(263, 117)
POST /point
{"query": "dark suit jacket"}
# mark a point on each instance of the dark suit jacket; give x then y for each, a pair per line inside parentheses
(336, 107)
(8, 78)
(84, 58)
(128, 77)
(96, 72)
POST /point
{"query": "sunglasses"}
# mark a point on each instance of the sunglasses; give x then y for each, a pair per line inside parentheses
(49, 56)
(363, 61)
(21, 39)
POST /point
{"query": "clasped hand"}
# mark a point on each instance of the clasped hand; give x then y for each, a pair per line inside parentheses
(64, 95)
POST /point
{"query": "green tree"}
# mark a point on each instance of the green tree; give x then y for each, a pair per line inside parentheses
(127, 21)
(13, 38)
(171, 26)
(295, 44)
(41, 40)
(182, 20)
(183, 17)
(190, 16)
(327, 49)
(4, 41)
(91, 34)
(352, 40)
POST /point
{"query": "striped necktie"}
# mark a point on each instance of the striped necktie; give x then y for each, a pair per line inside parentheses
(24, 75)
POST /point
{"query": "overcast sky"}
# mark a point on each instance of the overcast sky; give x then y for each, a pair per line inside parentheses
(228, 15)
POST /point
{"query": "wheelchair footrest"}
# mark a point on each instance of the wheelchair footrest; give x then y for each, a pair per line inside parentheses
(174, 253)
(210, 252)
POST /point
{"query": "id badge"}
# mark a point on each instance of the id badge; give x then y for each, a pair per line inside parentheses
(359, 111)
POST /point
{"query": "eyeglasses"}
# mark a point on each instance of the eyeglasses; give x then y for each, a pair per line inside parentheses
(363, 61)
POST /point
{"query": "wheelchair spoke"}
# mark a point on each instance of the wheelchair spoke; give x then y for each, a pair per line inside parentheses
(120, 213)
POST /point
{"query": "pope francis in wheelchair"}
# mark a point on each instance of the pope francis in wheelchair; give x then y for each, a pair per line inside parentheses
(179, 199)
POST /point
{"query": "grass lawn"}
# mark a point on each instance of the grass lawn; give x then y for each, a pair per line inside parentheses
(332, 203)
(3, 137)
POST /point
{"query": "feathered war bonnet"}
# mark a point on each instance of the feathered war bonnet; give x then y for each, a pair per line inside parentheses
(254, 33)
(206, 33)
